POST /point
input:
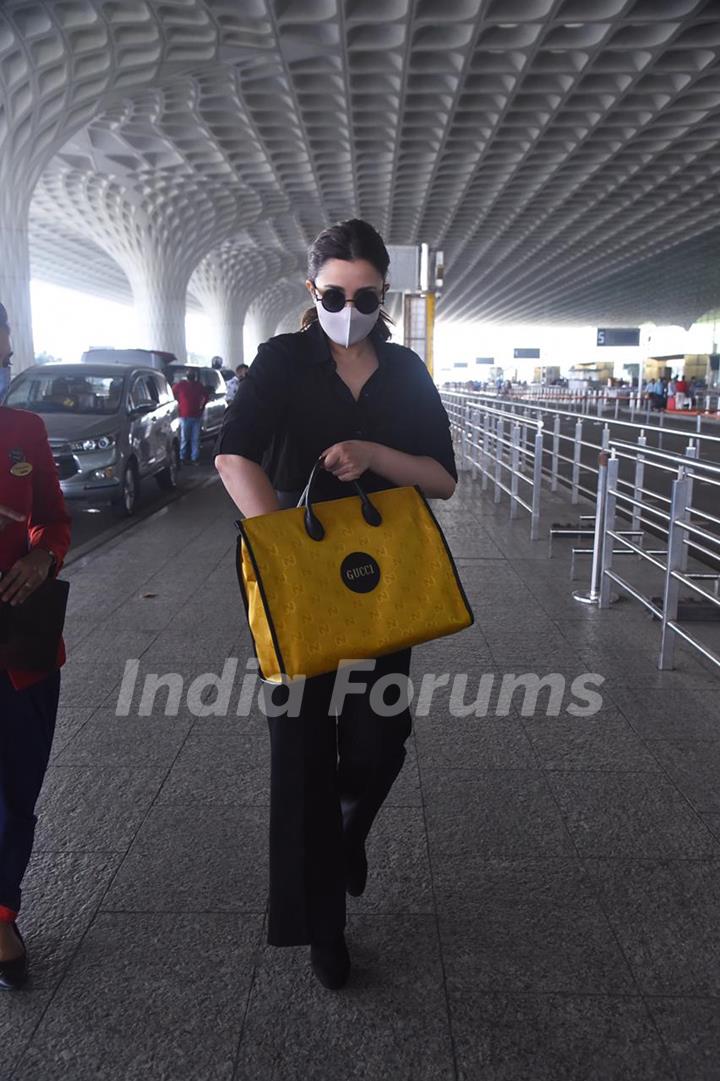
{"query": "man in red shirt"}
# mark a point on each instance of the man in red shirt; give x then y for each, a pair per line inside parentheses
(34, 538)
(192, 397)
(681, 392)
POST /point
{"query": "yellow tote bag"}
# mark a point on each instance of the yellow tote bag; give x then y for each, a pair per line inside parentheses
(346, 579)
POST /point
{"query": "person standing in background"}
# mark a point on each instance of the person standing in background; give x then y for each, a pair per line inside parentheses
(682, 389)
(192, 397)
(233, 384)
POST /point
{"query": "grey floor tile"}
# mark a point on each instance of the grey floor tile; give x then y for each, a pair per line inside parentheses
(665, 915)
(492, 813)
(446, 742)
(70, 720)
(221, 762)
(390, 1021)
(398, 865)
(603, 742)
(629, 814)
(712, 821)
(525, 925)
(690, 1028)
(149, 996)
(694, 767)
(199, 857)
(94, 807)
(668, 713)
(19, 1016)
(61, 893)
(555, 1038)
(109, 740)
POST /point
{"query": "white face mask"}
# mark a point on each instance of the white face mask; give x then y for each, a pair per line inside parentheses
(348, 326)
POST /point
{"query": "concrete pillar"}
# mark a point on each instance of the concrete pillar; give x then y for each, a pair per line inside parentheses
(226, 311)
(159, 293)
(15, 277)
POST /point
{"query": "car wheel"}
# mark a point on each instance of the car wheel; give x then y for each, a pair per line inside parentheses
(129, 491)
(167, 478)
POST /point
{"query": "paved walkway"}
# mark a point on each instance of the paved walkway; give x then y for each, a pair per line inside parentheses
(544, 892)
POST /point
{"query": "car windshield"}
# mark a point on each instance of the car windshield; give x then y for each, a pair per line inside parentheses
(67, 392)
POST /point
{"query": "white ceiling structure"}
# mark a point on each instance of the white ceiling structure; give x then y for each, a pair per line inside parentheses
(564, 154)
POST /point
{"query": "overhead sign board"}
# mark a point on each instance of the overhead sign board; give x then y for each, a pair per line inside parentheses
(526, 354)
(618, 336)
(484, 360)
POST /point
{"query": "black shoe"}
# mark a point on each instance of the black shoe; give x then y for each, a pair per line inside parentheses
(356, 871)
(13, 974)
(330, 961)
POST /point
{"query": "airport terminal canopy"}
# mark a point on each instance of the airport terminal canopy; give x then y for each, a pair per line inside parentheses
(563, 154)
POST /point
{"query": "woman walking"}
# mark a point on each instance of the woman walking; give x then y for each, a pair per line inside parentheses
(336, 389)
(34, 537)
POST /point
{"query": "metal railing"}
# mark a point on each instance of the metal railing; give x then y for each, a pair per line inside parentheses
(484, 427)
(608, 399)
(685, 538)
(496, 445)
(520, 451)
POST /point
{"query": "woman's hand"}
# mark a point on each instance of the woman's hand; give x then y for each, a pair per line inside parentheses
(9, 517)
(25, 576)
(350, 459)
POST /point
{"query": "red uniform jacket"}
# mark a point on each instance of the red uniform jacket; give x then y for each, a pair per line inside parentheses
(37, 495)
(191, 396)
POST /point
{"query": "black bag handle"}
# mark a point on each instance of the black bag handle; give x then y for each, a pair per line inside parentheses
(313, 525)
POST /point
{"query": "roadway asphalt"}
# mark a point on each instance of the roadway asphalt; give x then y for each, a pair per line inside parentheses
(92, 526)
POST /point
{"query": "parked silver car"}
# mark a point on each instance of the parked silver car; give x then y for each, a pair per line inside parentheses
(109, 427)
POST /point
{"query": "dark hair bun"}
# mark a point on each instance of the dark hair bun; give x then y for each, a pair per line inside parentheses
(353, 239)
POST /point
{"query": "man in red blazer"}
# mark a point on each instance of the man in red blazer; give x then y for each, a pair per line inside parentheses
(34, 538)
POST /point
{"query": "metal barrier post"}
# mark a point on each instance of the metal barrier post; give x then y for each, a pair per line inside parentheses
(676, 538)
(487, 436)
(523, 440)
(499, 429)
(605, 437)
(576, 461)
(537, 484)
(592, 596)
(691, 451)
(464, 408)
(611, 479)
(514, 469)
(599, 403)
(639, 481)
(474, 439)
(555, 453)
(660, 433)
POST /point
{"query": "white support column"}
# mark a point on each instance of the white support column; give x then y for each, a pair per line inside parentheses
(160, 301)
(15, 278)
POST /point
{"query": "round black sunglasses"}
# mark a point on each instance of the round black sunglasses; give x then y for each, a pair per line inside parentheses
(333, 299)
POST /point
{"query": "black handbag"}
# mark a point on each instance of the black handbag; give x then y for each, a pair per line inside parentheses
(30, 632)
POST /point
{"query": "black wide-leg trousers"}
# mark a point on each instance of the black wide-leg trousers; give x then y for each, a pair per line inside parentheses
(329, 777)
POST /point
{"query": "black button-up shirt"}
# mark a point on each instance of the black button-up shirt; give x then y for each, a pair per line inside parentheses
(293, 405)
